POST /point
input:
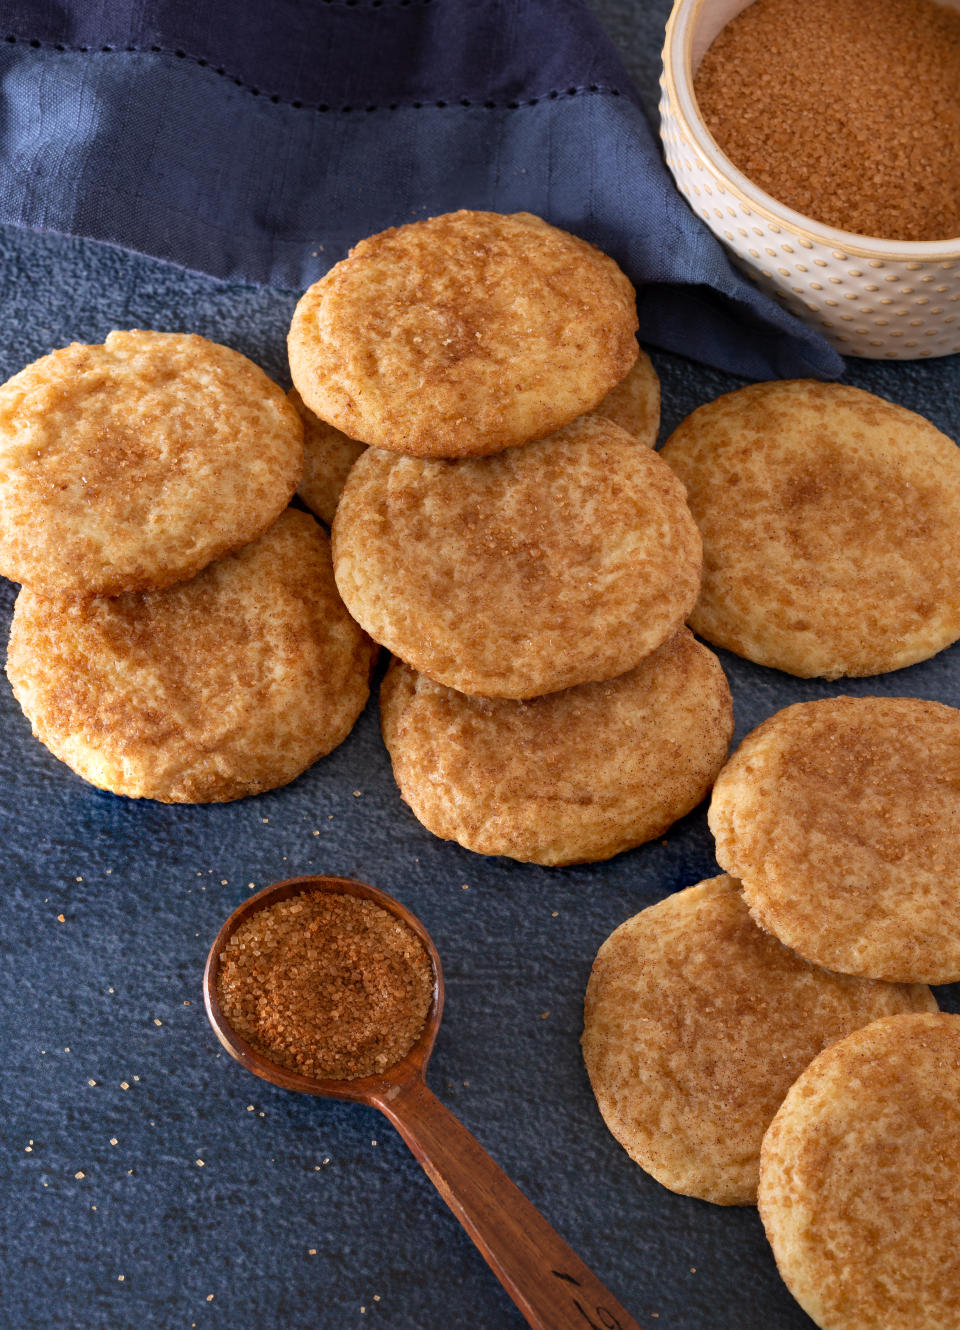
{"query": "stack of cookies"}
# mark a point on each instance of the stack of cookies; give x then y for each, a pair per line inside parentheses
(178, 634)
(529, 562)
(772, 1030)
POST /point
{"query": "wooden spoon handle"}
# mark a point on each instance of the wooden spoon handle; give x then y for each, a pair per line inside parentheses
(546, 1279)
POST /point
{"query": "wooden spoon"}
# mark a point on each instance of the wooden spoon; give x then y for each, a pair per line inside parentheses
(546, 1279)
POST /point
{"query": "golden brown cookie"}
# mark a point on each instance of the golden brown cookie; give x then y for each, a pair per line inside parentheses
(132, 465)
(560, 562)
(830, 522)
(860, 1179)
(634, 404)
(223, 686)
(462, 335)
(697, 1023)
(328, 456)
(569, 778)
(842, 820)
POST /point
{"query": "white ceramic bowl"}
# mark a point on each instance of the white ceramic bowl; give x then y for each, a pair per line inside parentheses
(898, 300)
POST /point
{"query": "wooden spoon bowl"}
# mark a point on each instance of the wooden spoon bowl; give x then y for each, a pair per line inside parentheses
(548, 1282)
(362, 1089)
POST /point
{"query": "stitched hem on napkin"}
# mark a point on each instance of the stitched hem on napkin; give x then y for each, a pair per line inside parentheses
(169, 155)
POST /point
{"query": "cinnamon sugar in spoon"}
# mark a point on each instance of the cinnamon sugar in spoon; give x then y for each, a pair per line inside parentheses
(548, 1282)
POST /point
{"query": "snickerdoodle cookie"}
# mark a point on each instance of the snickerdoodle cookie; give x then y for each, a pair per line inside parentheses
(842, 820)
(328, 456)
(696, 1024)
(568, 778)
(132, 465)
(220, 687)
(462, 335)
(830, 522)
(559, 562)
(634, 404)
(860, 1179)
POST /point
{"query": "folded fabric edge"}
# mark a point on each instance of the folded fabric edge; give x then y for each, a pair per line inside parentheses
(164, 159)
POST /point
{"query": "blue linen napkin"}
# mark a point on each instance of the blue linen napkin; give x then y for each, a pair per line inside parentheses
(257, 142)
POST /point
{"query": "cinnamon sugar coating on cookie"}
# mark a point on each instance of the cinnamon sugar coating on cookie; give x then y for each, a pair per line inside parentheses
(860, 1179)
(842, 820)
(328, 456)
(561, 562)
(696, 1023)
(830, 522)
(134, 464)
(572, 777)
(223, 686)
(462, 335)
(634, 404)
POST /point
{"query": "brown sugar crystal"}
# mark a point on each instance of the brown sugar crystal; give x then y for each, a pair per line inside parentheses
(847, 111)
(330, 985)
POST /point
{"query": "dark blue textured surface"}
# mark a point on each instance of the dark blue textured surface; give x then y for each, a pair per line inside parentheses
(258, 142)
(143, 889)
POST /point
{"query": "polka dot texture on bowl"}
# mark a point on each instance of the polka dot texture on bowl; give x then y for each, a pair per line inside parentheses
(869, 298)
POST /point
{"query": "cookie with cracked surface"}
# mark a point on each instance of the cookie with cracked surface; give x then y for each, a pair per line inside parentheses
(860, 1179)
(842, 820)
(572, 777)
(559, 562)
(634, 404)
(224, 686)
(132, 465)
(328, 456)
(830, 522)
(463, 334)
(696, 1024)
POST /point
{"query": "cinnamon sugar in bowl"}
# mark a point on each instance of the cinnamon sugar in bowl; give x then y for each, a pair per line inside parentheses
(871, 296)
